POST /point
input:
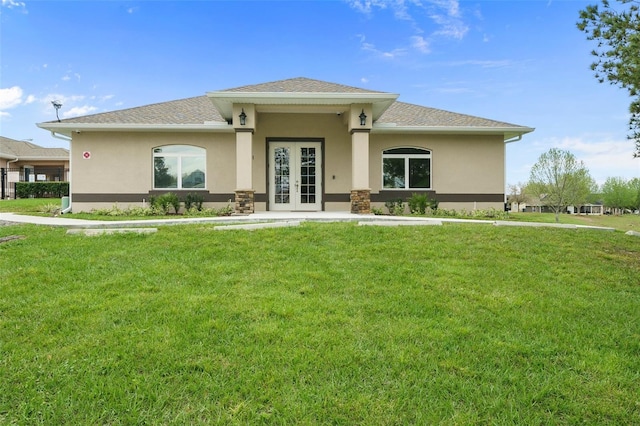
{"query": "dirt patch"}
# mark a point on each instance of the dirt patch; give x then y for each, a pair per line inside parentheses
(11, 238)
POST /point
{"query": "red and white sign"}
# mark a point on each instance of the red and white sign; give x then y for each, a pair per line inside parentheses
(86, 155)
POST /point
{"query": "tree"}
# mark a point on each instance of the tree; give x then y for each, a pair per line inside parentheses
(635, 188)
(559, 180)
(617, 32)
(618, 194)
(517, 194)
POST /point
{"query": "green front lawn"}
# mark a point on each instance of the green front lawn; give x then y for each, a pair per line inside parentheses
(627, 222)
(320, 324)
(27, 205)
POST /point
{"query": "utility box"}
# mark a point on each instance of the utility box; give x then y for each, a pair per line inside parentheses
(65, 204)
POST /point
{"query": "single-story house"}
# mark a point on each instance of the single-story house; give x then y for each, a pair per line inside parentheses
(24, 161)
(294, 145)
(535, 205)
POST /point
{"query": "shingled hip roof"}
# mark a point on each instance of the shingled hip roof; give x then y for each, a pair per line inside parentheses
(212, 112)
(12, 149)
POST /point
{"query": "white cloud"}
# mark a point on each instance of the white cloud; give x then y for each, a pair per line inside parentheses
(450, 26)
(10, 97)
(498, 63)
(77, 111)
(365, 6)
(603, 157)
(445, 14)
(12, 4)
(370, 47)
(419, 43)
(68, 76)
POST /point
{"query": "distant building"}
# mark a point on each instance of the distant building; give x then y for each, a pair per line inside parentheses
(22, 161)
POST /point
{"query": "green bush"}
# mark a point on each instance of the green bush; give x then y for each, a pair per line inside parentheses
(395, 207)
(193, 200)
(50, 208)
(165, 202)
(418, 203)
(42, 189)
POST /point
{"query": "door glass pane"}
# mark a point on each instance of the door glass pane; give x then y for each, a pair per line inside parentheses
(165, 172)
(282, 175)
(307, 175)
(393, 172)
(419, 176)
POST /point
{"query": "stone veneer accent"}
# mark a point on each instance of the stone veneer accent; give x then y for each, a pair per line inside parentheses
(361, 201)
(244, 201)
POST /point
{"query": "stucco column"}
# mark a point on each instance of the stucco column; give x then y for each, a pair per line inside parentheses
(244, 173)
(244, 121)
(360, 187)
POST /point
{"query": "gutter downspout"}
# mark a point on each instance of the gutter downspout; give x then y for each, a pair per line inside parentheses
(67, 139)
(514, 139)
(58, 136)
(7, 176)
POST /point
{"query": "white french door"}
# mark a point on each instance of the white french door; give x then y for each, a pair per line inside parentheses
(295, 176)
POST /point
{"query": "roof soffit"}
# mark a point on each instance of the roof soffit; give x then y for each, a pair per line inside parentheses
(224, 101)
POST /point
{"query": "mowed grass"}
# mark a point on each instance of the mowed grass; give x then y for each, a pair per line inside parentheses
(626, 222)
(320, 324)
(27, 205)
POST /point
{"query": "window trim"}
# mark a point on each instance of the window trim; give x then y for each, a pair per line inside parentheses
(427, 154)
(179, 156)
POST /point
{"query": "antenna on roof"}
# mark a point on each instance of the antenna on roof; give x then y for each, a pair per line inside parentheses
(57, 105)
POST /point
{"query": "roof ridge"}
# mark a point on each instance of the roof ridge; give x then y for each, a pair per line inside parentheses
(298, 84)
(18, 148)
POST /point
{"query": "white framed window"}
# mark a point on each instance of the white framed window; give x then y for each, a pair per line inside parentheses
(406, 168)
(179, 167)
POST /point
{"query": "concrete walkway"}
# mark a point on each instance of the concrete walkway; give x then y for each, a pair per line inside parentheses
(259, 217)
(270, 217)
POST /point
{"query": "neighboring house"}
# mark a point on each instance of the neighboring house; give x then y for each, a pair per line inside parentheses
(293, 145)
(22, 161)
(536, 206)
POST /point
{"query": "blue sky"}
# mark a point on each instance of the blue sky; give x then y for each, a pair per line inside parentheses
(522, 62)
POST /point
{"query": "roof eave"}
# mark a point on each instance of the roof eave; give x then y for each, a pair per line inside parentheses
(42, 157)
(68, 129)
(223, 101)
(8, 155)
(507, 132)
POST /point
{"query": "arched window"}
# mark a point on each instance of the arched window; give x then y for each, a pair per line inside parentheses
(179, 167)
(406, 168)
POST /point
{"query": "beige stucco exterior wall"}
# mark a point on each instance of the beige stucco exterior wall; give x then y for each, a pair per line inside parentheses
(467, 164)
(122, 163)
